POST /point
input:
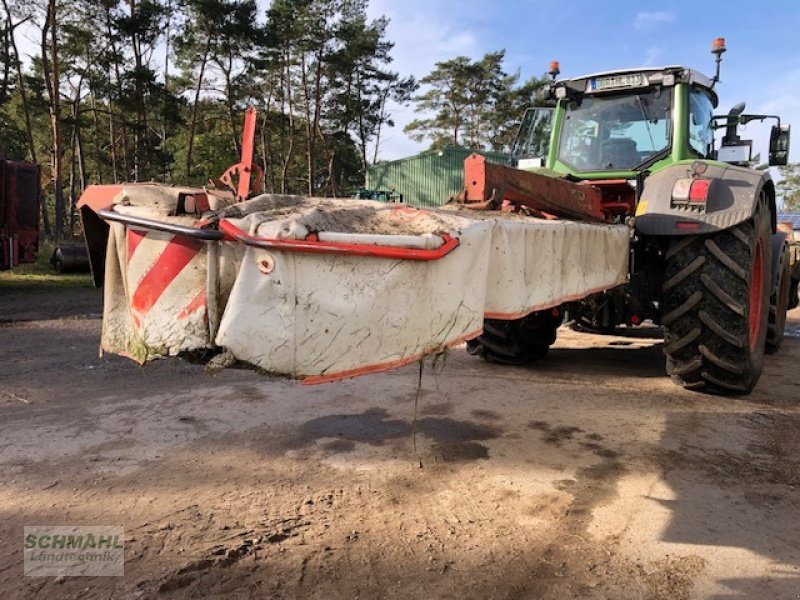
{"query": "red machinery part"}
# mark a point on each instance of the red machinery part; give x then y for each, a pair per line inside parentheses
(233, 233)
(487, 185)
(250, 175)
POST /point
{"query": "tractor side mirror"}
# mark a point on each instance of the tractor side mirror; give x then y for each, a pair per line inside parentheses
(779, 146)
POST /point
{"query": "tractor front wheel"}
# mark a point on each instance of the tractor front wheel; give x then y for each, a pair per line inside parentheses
(715, 306)
(518, 341)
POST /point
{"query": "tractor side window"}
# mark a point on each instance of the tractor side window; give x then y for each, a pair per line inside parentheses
(533, 137)
(701, 135)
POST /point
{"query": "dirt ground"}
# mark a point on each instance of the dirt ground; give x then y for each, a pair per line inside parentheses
(586, 475)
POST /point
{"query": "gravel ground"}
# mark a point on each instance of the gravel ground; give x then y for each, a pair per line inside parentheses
(586, 475)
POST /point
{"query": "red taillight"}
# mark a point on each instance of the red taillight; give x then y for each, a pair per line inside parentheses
(698, 192)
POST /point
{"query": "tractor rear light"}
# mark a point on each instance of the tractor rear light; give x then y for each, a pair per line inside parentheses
(691, 191)
(681, 190)
(698, 192)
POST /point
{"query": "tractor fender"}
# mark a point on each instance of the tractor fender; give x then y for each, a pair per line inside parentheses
(733, 197)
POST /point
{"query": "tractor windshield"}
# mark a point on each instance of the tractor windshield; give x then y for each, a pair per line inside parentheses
(615, 133)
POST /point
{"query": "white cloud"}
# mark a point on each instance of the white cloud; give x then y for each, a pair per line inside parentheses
(645, 21)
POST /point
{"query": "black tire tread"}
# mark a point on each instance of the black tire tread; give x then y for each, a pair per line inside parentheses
(722, 295)
(684, 308)
(723, 384)
(720, 330)
(687, 271)
(726, 260)
(514, 342)
(705, 303)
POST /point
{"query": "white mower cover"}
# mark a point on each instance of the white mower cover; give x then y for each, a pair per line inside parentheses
(536, 264)
(327, 316)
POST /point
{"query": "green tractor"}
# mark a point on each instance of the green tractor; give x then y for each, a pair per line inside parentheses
(707, 261)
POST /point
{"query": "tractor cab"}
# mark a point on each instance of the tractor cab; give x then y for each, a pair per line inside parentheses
(618, 124)
(614, 124)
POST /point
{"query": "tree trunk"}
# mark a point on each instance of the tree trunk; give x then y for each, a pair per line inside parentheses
(98, 153)
(195, 108)
(363, 135)
(316, 128)
(140, 134)
(227, 70)
(267, 171)
(266, 149)
(72, 174)
(81, 159)
(381, 120)
(164, 132)
(309, 125)
(118, 82)
(51, 75)
(290, 149)
(113, 143)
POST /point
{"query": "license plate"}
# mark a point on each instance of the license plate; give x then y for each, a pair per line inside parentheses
(617, 81)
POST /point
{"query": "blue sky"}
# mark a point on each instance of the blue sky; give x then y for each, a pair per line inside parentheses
(761, 67)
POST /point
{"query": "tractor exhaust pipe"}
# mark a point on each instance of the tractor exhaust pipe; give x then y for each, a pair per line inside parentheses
(731, 137)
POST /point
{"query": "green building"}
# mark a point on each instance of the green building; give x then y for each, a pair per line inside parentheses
(427, 179)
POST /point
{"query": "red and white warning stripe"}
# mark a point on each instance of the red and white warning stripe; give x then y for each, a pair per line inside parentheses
(166, 279)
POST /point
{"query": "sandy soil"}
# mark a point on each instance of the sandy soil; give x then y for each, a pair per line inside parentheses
(586, 475)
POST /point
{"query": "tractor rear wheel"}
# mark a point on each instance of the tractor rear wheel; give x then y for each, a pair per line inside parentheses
(715, 305)
(778, 302)
(518, 341)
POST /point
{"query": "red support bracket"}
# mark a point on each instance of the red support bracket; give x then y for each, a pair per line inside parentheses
(487, 185)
